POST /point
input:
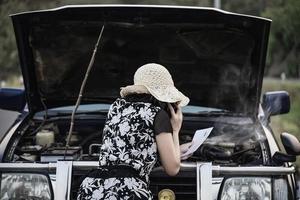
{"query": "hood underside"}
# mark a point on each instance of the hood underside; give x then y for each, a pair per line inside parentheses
(215, 58)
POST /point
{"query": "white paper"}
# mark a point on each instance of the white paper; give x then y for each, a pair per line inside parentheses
(199, 137)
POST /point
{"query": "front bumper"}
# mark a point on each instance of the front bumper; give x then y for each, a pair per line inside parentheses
(208, 177)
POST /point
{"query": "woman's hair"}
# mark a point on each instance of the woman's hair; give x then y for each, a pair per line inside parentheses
(147, 98)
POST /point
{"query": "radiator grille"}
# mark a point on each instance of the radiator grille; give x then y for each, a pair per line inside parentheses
(184, 185)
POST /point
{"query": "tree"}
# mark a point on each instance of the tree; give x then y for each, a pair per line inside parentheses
(284, 42)
(9, 62)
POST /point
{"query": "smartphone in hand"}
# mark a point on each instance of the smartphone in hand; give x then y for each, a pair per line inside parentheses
(174, 107)
(166, 107)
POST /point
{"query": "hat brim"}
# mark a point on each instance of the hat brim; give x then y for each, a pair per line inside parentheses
(168, 94)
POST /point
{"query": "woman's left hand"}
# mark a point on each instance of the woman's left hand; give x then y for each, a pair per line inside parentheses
(184, 148)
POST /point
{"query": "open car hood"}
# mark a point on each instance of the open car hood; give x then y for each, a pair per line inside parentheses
(216, 58)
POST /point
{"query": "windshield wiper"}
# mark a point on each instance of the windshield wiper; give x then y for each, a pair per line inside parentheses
(64, 113)
(212, 113)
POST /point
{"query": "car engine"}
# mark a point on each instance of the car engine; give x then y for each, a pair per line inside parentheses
(228, 144)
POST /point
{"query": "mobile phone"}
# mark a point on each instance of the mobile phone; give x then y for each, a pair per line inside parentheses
(166, 107)
(174, 107)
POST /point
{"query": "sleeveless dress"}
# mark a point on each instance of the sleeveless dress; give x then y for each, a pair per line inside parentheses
(129, 141)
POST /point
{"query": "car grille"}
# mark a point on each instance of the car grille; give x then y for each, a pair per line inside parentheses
(184, 185)
(77, 178)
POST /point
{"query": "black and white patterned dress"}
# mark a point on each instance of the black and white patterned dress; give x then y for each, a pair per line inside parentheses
(128, 140)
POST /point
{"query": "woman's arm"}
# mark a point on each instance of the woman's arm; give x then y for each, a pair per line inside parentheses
(168, 144)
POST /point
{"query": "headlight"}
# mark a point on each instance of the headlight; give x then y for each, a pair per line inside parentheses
(24, 186)
(247, 188)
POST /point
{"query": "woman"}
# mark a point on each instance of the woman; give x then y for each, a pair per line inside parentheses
(140, 126)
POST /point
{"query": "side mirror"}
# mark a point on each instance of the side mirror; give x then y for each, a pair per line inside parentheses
(276, 103)
(12, 99)
(290, 143)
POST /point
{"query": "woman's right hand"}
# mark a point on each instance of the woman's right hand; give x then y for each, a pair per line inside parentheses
(176, 117)
(168, 143)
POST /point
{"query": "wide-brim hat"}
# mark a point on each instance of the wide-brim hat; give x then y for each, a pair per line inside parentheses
(156, 80)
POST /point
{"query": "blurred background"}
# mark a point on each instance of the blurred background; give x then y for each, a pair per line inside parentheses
(283, 64)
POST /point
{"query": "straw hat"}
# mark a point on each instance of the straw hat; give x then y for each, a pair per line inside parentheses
(156, 80)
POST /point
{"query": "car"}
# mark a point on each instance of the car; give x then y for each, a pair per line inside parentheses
(216, 58)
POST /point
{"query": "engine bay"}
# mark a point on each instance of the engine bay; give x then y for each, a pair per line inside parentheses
(44, 141)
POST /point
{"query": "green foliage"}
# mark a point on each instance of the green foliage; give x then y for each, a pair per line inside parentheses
(250, 7)
(8, 51)
(9, 63)
(284, 42)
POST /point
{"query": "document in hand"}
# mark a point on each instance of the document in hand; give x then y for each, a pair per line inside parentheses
(199, 137)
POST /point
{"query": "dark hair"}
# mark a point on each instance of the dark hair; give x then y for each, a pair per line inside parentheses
(146, 98)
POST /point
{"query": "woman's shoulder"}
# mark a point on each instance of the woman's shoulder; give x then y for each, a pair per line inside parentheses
(118, 102)
(132, 102)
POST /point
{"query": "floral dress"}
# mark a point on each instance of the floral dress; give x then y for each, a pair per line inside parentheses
(128, 140)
